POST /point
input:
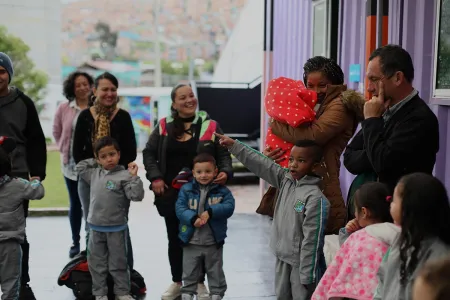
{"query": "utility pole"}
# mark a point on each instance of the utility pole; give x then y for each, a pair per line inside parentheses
(158, 71)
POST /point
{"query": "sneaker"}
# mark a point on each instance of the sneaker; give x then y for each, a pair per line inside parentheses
(26, 293)
(202, 292)
(124, 297)
(74, 250)
(187, 297)
(216, 297)
(101, 297)
(173, 292)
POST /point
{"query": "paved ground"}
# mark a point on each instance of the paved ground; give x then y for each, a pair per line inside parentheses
(248, 263)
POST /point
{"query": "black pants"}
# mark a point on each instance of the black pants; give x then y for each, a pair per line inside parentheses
(75, 211)
(175, 249)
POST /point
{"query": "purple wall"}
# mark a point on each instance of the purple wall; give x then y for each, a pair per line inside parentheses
(413, 29)
(418, 37)
(292, 37)
(352, 51)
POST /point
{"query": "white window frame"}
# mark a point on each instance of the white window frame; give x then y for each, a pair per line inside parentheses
(438, 93)
(327, 27)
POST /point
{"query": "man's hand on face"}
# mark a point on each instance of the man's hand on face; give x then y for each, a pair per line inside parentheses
(375, 107)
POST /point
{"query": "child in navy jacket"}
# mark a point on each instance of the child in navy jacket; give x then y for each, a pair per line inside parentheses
(203, 209)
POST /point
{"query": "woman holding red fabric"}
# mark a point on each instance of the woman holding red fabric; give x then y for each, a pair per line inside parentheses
(338, 112)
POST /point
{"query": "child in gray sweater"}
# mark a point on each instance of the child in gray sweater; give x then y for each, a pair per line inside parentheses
(300, 216)
(13, 191)
(112, 189)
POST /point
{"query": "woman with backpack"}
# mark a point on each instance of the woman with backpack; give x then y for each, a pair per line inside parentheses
(171, 147)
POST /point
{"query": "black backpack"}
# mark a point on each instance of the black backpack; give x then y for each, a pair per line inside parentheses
(75, 275)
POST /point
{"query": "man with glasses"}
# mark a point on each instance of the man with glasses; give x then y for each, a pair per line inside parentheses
(400, 133)
(19, 120)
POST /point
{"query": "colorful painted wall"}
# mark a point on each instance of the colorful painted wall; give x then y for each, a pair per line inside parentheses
(141, 114)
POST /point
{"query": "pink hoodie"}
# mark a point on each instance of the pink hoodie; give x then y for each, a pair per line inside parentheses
(62, 127)
(353, 272)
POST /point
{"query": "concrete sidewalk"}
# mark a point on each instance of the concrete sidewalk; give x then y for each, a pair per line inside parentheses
(249, 266)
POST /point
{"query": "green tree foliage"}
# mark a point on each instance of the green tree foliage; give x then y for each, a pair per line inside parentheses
(167, 67)
(26, 77)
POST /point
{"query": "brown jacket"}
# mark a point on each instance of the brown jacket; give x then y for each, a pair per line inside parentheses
(336, 122)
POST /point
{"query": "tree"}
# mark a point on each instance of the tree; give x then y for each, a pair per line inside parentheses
(26, 78)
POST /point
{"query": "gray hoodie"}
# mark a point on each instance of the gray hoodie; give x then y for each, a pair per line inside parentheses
(389, 287)
(203, 236)
(12, 193)
(300, 216)
(111, 192)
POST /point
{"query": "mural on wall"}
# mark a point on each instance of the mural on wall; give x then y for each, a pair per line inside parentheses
(140, 111)
(141, 114)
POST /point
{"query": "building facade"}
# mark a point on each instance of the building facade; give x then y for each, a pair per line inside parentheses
(295, 31)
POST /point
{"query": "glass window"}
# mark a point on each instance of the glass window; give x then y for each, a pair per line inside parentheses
(442, 77)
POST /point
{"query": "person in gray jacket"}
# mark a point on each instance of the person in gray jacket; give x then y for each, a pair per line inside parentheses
(112, 189)
(421, 207)
(300, 215)
(13, 192)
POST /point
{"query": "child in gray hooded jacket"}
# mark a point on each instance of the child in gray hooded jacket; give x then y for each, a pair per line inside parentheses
(300, 215)
(112, 189)
(13, 191)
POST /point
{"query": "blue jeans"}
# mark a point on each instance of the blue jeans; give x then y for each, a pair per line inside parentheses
(84, 191)
(75, 211)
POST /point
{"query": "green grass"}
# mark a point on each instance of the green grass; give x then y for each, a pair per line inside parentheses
(55, 188)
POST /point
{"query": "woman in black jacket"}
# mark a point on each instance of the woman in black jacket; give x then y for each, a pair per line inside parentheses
(103, 118)
(172, 146)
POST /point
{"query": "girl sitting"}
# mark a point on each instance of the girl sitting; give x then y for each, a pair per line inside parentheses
(364, 241)
(422, 210)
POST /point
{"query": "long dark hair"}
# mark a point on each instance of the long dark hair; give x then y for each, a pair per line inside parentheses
(69, 84)
(425, 214)
(107, 76)
(327, 66)
(177, 130)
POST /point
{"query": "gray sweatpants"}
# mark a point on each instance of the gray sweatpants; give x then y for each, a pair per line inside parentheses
(288, 285)
(107, 252)
(10, 269)
(212, 257)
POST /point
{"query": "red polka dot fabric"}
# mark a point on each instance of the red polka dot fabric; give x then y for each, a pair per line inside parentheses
(288, 101)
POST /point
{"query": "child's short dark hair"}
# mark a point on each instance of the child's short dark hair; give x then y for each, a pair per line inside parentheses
(105, 142)
(317, 149)
(202, 158)
(374, 196)
(5, 163)
(437, 274)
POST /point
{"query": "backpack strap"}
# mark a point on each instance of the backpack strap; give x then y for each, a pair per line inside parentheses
(163, 127)
(207, 131)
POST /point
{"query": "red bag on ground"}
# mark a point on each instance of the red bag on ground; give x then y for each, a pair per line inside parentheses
(288, 101)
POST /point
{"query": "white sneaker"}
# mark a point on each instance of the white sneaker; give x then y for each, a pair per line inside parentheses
(202, 292)
(173, 292)
(101, 297)
(216, 297)
(124, 297)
